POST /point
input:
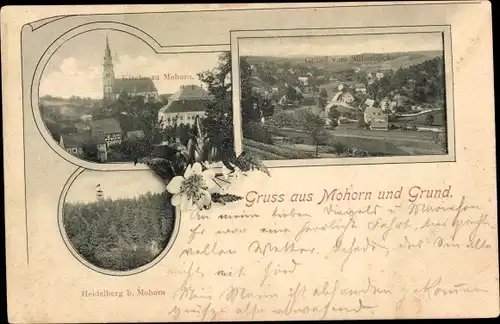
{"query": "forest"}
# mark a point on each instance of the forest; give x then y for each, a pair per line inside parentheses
(120, 234)
(421, 84)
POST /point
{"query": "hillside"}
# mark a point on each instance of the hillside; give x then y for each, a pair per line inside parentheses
(420, 84)
(344, 62)
(120, 234)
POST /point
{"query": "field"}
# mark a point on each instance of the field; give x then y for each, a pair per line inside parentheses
(292, 143)
(120, 234)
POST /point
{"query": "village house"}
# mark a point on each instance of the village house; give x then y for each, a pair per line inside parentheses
(304, 81)
(369, 102)
(344, 97)
(370, 78)
(185, 105)
(285, 101)
(386, 104)
(135, 134)
(374, 116)
(69, 114)
(73, 143)
(401, 100)
(360, 88)
(103, 133)
(86, 117)
(82, 127)
(107, 131)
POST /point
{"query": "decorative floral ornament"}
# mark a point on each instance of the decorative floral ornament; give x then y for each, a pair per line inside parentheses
(193, 188)
(188, 171)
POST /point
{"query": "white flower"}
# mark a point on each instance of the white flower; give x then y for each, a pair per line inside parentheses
(236, 173)
(227, 173)
(193, 188)
(208, 165)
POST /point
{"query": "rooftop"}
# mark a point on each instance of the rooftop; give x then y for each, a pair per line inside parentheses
(188, 92)
(187, 98)
(134, 85)
(75, 139)
(104, 126)
(180, 106)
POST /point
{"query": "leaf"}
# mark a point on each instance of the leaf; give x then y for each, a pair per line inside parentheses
(175, 153)
(247, 161)
(198, 143)
(225, 198)
(160, 166)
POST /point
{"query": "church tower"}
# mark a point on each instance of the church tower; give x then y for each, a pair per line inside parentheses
(108, 74)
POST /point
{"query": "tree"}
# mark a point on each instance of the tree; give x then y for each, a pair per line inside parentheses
(339, 148)
(152, 126)
(218, 121)
(291, 93)
(360, 77)
(183, 134)
(429, 119)
(322, 98)
(314, 125)
(90, 151)
(286, 65)
(267, 107)
(334, 116)
(218, 115)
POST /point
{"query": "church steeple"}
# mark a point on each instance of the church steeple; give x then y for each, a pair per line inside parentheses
(108, 74)
(107, 53)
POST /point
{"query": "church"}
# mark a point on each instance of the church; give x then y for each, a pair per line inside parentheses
(113, 87)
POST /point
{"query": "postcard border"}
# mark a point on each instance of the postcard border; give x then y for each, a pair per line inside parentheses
(445, 30)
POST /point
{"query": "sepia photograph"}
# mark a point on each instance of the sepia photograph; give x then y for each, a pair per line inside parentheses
(117, 221)
(107, 97)
(336, 96)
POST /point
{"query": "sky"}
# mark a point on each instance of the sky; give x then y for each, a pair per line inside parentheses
(76, 67)
(339, 45)
(116, 184)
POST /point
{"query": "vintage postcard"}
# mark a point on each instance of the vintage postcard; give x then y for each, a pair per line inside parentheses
(249, 162)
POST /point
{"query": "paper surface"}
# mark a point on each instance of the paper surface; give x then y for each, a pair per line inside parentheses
(376, 197)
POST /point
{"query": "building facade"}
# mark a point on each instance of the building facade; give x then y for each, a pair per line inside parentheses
(132, 85)
(73, 143)
(184, 106)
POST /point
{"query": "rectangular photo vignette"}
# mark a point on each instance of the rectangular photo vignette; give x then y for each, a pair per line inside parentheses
(313, 97)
